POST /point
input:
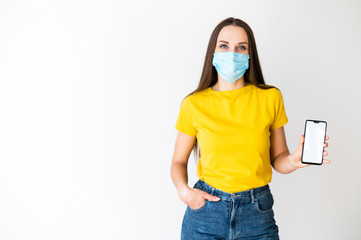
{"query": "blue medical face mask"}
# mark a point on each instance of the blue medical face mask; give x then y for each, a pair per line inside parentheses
(230, 65)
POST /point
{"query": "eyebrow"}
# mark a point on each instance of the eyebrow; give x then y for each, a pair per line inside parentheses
(228, 42)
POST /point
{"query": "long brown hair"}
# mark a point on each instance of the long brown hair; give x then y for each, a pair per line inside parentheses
(209, 77)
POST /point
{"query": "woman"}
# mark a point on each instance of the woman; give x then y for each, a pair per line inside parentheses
(237, 121)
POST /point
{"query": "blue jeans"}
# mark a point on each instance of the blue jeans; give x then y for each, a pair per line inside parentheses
(241, 215)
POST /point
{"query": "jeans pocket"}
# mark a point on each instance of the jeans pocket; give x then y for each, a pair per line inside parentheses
(199, 185)
(201, 208)
(264, 202)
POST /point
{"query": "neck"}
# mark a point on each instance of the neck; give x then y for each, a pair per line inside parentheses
(223, 85)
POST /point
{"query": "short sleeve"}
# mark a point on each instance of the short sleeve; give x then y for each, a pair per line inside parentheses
(280, 117)
(185, 122)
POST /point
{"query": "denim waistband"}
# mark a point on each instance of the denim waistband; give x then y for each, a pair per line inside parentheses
(248, 195)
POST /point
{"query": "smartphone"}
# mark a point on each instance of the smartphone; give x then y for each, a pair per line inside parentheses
(312, 149)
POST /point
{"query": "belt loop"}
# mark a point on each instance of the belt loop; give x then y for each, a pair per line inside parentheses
(212, 190)
(252, 195)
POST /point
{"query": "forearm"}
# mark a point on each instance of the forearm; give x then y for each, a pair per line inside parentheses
(283, 164)
(180, 177)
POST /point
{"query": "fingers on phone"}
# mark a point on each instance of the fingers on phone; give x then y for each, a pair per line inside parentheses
(326, 161)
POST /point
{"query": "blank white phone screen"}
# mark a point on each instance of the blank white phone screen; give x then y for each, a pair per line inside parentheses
(314, 140)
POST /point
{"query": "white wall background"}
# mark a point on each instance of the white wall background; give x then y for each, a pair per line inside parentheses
(89, 96)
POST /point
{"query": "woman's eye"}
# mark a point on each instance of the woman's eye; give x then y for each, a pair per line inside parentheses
(225, 46)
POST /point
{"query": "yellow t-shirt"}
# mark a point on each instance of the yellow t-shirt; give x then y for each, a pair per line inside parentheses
(233, 132)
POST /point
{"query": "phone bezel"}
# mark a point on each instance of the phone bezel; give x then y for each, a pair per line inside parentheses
(304, 134)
